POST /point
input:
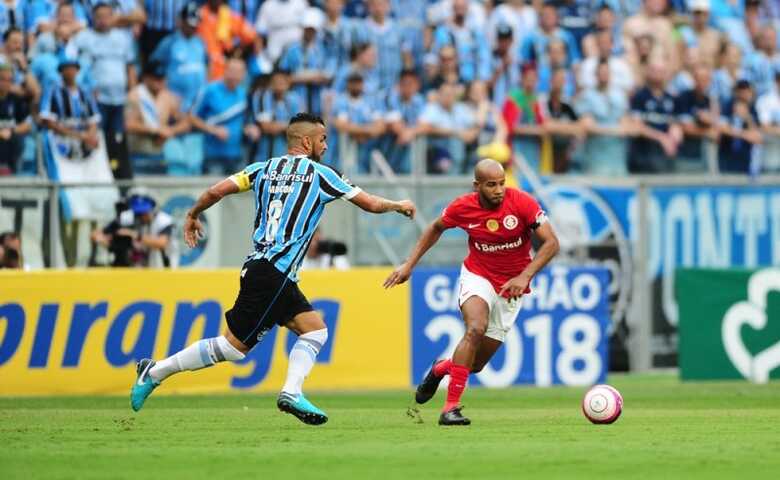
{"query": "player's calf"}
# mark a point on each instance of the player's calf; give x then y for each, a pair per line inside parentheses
(201, 354)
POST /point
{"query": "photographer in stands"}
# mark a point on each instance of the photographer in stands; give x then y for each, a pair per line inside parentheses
(140, 235)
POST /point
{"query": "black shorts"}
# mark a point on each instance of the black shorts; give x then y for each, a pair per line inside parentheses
(266, 298)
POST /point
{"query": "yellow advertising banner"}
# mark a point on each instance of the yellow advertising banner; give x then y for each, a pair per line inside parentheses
(81, 331)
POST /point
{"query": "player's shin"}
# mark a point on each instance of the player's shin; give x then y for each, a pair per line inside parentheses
(201, 354)
(302, 358)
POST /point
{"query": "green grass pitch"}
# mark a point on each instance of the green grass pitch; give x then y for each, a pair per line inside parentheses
(668, 430)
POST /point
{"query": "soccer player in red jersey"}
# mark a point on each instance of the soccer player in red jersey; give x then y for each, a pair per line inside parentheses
(499, 221)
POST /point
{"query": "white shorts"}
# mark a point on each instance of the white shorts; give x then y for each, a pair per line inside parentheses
(503, 312)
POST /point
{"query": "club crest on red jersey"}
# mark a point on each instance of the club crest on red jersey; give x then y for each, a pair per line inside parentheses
(510, 222)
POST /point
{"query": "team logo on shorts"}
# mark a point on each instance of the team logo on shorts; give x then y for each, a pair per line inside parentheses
(510, 222)
(492, 224)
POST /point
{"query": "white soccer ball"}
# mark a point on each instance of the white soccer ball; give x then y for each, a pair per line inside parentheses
(602, 404)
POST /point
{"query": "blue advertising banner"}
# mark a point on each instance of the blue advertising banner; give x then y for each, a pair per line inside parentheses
(560, 336)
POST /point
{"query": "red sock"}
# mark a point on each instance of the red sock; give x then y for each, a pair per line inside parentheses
(459, 376)
(442, 368)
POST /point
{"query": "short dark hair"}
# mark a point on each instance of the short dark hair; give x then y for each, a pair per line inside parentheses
(6, 235)
(280, 71)
(100, 5)
(10, 32)
(408, 72)
(306, 117)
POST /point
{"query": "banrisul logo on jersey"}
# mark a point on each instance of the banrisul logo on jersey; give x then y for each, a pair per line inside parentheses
(560, 336)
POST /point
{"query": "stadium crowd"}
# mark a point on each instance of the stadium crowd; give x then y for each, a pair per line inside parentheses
(606, 87)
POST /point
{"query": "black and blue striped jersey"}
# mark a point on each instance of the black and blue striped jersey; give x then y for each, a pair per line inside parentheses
(290, 194)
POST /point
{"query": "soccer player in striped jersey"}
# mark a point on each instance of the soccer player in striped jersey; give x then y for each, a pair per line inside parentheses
(290, 195)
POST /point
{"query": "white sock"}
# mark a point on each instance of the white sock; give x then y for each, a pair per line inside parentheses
(201, 354)
(302, 358)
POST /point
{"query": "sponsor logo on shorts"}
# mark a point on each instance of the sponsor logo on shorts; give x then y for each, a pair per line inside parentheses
(510, 222)
(492, 225)
(486, 247)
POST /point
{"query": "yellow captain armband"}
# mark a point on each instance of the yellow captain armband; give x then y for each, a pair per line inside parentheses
(242, 180)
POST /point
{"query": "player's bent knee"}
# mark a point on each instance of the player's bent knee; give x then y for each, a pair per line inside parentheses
(474, 333)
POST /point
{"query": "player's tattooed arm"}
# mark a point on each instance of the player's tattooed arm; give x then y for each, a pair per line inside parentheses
(376, 204)
(193, 229)
(428, 239)
(516, 286)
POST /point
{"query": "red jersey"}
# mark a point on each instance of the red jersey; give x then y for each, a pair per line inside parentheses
(499, 239)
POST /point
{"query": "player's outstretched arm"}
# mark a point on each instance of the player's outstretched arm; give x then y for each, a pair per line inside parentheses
(193, 229)
(376, 204)
(516, 286)
(428, 239)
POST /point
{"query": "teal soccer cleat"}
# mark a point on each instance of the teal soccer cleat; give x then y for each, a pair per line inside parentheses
(143, 385)
(303, 409)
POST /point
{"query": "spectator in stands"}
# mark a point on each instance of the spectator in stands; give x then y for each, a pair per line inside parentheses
(739, 131)
(443, 69)
(184, 56)
(603, 111)
(402, 114)
(761, 65)
(658, 135)
(768, 110)
(450, 126)
(357, 118)
(557, 61)
(127, 15)
(698, 116)
(534, 46)
(41, 16)
(281, 21)
(652, 21)
(338, 36)
(411, 16)
(523, 114)
(505, 66)
(469, 41)
(259, 64)
(248, 9)
(645, 55)
(561, 122)
(683, 80)
(222, 32)
(307, 62)
(700, 35)
(161, 20)
(441, 11)
(154, 122)
(386, 36)
(730, 70)
(620, 73)
(63, 25)
(605, 21)
(576, 17)
(272, 109)
(14, 123)
(219, 113)
(107, 53)
(71, 112)
(487, 118)
(363, 62)
(24, 82)
(516, 15)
